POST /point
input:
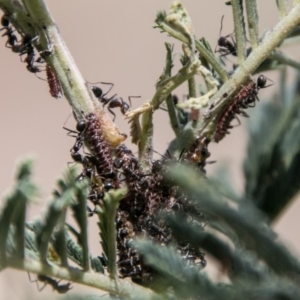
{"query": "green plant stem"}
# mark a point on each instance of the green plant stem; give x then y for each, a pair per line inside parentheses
(73, 84)
(122, 288)
(282, 8)
(199, 46)
(193, 94)
(61, 236)
(252, 16)
(84, 229)
(107, 216)
(239, 29)
(284, 59)
(146, 141)
(173, 116)
(192, 87)
(169, 101)
(20, 216)
(163, 90)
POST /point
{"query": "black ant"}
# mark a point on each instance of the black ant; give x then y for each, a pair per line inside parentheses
(60, 288)
(113, 101)
(225, 46)
(30, 60)
(12, 38)
(86, 161)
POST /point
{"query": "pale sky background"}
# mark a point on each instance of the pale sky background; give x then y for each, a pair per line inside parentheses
(111, 41)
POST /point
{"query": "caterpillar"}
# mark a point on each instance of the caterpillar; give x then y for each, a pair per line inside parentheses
(53, 82)
(94, 136)
(246, 98)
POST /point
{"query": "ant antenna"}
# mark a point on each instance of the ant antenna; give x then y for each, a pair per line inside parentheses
(221, 25)
(100, 82)
(129, 98)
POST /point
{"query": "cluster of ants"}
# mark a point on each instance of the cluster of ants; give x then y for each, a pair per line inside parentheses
(148, 194)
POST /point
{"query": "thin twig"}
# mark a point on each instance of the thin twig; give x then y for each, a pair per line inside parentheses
(169, 101)
(199, 46)
(281, 4)
(122, 288)
(252, 16)
(284, 59)
(239, 29)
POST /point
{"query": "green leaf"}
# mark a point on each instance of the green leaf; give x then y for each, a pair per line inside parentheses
(107, 226)
(273, 155)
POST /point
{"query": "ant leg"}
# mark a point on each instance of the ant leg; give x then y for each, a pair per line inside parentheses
(111, 86)
(162, 108)
(29, 277)
(71, 162)
(49, 50)
(129, 98)
(110, 83)
(36, 281)
(70, 131)
(181, 153)
(239, 122)
(40, 288)
(40, 77)
(244, 114)
(220, 31)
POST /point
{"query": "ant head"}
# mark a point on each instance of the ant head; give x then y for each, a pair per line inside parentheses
(261, 81)
(222, 41)
(77, 157)
(27, 39)
(157, 166)
(81, 125)
(4, 21)
(97, 91)
(125, 107)
(108, 185)
(118, 163)
(175, 99)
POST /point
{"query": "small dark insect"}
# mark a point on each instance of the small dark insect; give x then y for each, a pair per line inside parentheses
(28, 49)
(21, 48)
(12, 38)
(60, 288)
(244, 99)
(53, 82)
(4, 22)
(226, 47)
(89, 162)
(111, 102)
(25, 47)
